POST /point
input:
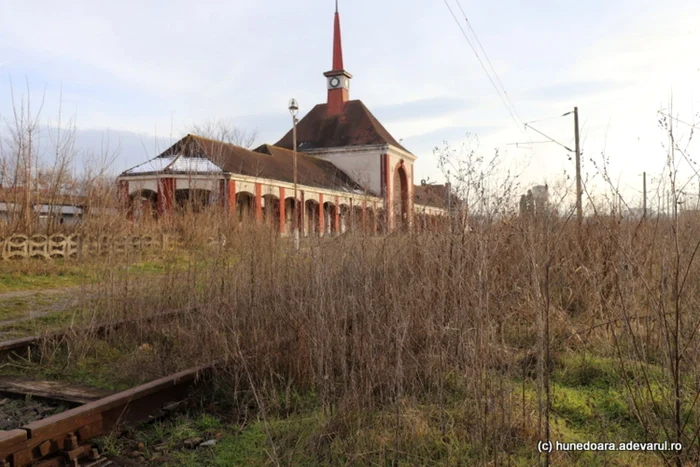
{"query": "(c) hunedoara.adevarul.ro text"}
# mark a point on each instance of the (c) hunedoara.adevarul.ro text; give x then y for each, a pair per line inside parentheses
(549, 446)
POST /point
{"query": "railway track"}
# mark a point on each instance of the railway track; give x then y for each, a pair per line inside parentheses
(63, 439)
(22, 347)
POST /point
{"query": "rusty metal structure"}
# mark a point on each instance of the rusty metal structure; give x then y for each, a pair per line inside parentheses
(63, 439)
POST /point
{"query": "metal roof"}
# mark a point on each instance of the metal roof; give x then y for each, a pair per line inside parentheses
(176, 163)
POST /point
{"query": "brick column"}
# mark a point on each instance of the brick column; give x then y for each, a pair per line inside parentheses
(283, 213)
(258, 203)
(166, 195)
(389, 209)
(231, 196)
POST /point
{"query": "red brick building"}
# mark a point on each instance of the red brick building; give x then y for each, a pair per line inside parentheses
(352, 174)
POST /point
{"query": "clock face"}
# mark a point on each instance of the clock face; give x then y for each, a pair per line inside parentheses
(335, 82)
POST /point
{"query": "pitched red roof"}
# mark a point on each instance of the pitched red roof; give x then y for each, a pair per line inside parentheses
(265, 162)
(311, 171)
(355, 126)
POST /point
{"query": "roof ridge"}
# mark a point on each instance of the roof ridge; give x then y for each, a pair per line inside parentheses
(205, 138)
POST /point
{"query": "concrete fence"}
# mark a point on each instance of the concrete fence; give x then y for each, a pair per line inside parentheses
(19, 246)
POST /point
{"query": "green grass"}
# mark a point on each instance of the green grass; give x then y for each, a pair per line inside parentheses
(19, 276)
(27, 279)
(46, 323)
(589, 403)
(29, 275)
(95, 369)
(19, 307)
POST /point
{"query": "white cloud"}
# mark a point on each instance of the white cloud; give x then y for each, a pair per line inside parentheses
(147, 67)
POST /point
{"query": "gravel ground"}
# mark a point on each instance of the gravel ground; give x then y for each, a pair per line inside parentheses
(15, 413)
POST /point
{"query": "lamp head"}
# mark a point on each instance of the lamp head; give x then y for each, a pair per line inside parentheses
(293, 107)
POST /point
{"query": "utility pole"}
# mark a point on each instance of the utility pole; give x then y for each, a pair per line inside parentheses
(579, 189)
(579, 205)
(644, 190)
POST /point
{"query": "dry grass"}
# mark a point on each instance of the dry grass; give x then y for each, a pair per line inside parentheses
(411, 341)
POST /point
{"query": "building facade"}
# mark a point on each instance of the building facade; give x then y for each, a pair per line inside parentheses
(351, 173)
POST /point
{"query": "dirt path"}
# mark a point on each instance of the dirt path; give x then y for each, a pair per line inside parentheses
(30, 293)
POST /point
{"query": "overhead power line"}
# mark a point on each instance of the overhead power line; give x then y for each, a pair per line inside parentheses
(548, 137)
(488, 74)
(494, 79)
(488, 60)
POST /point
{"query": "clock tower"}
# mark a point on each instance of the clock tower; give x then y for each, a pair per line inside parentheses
(338, 79)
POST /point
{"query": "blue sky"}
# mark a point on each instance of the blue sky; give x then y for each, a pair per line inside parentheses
(148, 70)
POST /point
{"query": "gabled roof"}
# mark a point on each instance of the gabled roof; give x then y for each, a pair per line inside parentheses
(355, 126)
(195, 154)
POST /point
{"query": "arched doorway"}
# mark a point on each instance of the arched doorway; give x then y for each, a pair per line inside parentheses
(289, 214)
(143, 204)
(355, 222)
(344, 218)
(271, 211)
(329, 218)
(311, 217)
(401, 201)
(244, 206)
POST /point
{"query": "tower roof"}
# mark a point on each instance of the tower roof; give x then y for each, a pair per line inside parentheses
(337, 43)
(354, 126)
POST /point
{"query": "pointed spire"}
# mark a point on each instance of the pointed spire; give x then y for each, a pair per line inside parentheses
(337, 45)
(338, 78)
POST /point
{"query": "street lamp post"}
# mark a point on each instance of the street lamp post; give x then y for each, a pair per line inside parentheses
(293, 110)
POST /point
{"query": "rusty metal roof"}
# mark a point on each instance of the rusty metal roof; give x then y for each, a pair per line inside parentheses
(355, 126)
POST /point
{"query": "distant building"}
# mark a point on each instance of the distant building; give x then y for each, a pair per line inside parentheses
(352, 173)
(45, 209)
(535, 201)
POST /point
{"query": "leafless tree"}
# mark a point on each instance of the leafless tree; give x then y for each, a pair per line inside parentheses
(18, 153)
(37, 168)
(225, 130)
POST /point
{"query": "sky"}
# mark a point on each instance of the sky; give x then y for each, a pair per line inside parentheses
(140, 74)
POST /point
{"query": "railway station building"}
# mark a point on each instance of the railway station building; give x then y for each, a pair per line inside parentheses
(352, 174)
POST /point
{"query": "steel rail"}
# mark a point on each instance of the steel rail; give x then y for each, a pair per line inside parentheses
(61, 439)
